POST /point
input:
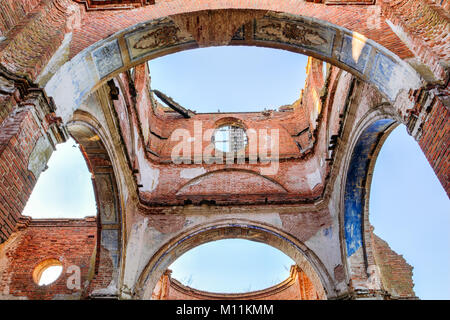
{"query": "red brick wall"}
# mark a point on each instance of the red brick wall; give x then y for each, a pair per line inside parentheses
(103, 272)
(7, 103)
(435, 142)
(396, 273)
(13, 12)
(296, 287)
(36, 30)
(164, 124)
(426, 26)
(34, 38)
(293, 127)
(72, 242)
(18, 135)
(99, 24)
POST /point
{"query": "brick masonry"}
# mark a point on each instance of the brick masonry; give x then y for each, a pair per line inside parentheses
(296, 287)
(18, 135)
(72, 242)
(396, 273)
(125, 134)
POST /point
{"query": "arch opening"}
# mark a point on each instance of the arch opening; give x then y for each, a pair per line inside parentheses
(205, 80)
(304, 258)
(408, 209)
(372, 203)
(231, 266)
(64, 189)
(88, 134)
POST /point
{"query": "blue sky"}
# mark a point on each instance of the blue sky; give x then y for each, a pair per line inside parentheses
(408, 206)
(65, 188)
(411, 211)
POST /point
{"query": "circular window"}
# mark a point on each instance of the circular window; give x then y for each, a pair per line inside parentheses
(230, 138)
(47, 272)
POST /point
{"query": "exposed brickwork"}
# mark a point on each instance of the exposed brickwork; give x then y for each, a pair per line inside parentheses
(8, 103)
(217, 27)
(396, 273)
(32, 41)
(72, 242)
(13, 11)
(435, 142)
(18, 135)
(296, 287)
(125, 133)
(158, 127)
(98, 25)
(426, 28)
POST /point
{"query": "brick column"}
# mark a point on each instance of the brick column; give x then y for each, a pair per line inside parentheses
(428, 122)
(435, 141)
(28, 135)
(18, 135)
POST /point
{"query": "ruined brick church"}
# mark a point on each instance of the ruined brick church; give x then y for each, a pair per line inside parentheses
(78, 68)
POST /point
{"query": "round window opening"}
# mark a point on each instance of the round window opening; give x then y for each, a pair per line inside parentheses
(230, 138)
(47, 272)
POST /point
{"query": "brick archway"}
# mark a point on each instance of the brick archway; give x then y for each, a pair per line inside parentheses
(234, 229)
(356, 231)
(138, 43)
(52, 62)
(88, 133)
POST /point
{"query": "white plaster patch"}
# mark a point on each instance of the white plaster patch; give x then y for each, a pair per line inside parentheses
(191, 173)
(70, 85)
(325, 244)
(39, 157)
(149, 174)
(133, 252)
(355, 260)
(314, 178)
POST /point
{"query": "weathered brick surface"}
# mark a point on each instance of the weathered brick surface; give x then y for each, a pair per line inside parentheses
(97, 25)
(426, 28)
(104, 269)
(396, 273)
(18, 135)
(13, 11)
(435, 142)
(311, 130)
(72, 242)
(34, 38)
(296, 287)
(114, 4)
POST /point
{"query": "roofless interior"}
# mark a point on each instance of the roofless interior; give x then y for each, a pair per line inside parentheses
(79, 68)
(236, 79)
